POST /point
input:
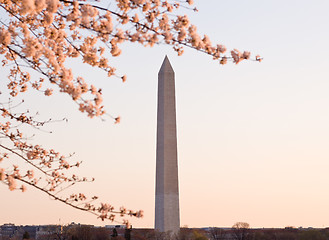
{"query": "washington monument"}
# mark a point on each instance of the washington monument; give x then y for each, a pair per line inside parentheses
(166, 192)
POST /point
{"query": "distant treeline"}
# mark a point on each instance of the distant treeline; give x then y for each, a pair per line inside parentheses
(239, 231)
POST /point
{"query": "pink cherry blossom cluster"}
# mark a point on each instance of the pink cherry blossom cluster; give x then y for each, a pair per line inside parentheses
(41, 36)
(47, 169)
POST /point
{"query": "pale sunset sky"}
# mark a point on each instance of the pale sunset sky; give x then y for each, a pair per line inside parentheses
(252, 138)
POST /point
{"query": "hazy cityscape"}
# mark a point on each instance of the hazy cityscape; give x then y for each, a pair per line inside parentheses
(76, 231)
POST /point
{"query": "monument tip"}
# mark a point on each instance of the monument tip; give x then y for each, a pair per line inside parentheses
(166, 66)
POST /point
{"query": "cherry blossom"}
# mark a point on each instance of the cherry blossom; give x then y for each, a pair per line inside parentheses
(41, 36)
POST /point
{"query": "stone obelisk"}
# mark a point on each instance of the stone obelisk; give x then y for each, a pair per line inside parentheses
(166, 192)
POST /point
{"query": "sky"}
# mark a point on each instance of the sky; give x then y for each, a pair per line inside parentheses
(252, 138)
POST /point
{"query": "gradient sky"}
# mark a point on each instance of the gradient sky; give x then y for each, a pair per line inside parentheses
(252, 139)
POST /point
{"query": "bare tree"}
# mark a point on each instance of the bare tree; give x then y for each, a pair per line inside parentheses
(241, 231)
(217, 233)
